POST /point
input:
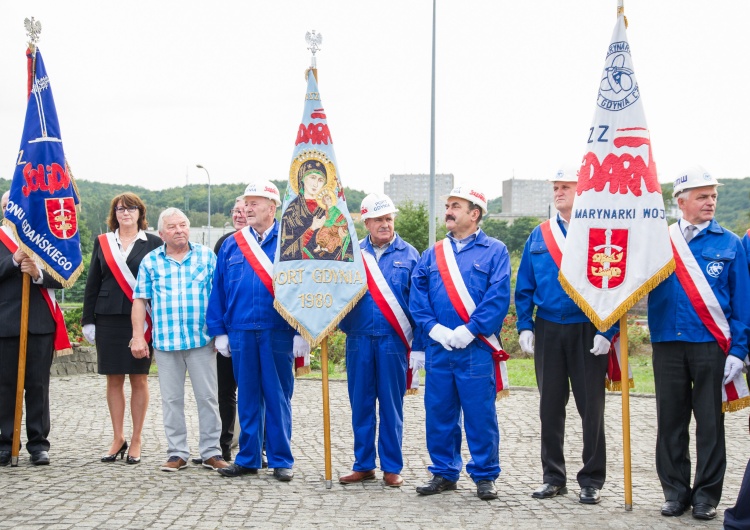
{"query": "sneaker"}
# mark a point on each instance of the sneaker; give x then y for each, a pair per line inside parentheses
(174, 463)
(215, 462)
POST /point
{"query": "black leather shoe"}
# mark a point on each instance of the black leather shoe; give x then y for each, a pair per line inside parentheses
(486, 490)
(198, 461)
(263, 460)
(547, 491)
(284, 474)
(437, 484)
(672, 509)
(4, 458)
(704, 511)
(40, 458)
(235, 470)
(589, 495)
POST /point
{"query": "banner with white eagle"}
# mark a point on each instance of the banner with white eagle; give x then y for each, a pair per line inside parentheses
(617, 248)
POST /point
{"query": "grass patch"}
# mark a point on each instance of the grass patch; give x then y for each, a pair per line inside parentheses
(521, 373)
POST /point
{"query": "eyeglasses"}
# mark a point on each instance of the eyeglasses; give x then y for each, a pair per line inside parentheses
(131, 209)
(237, 212)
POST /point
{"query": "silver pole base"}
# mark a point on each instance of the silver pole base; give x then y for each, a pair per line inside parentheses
(14, 461)
(329, 484)
(628, 507)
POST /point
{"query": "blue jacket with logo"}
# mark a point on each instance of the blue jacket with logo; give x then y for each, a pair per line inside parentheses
(537, 286)
(396, 264)
(722, 258)
(239, 299)
(485, 267)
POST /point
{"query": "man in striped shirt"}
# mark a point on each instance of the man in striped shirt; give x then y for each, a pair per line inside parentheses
(176, 278)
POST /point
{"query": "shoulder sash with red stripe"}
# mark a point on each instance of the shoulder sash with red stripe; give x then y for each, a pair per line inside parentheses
(465, 306)
(386, 301)
(62, 342)
(698, 290)
(735, 394)
(554, 239)
(122, 273)
(255, 256)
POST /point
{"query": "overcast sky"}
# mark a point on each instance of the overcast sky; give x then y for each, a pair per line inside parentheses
(146, 89)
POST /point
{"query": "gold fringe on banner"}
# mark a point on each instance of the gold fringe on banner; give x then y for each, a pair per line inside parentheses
(412, 391)
(616, 386)
(52, 272)
(737, 404)
(502, 394)
(603, 325)
(315, 341)
(302, 370)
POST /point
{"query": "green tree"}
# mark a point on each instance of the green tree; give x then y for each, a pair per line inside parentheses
(412, 224)
(496, 228)
(519, 232)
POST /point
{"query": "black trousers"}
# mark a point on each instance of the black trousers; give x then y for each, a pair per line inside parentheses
(39, 350)
(563, 361)
(688, 378)
(227, 400)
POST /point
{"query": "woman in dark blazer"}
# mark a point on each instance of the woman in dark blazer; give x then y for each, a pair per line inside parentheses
(106, 317)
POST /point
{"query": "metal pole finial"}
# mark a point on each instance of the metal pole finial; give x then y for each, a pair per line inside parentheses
(33, 29)
(314, 40)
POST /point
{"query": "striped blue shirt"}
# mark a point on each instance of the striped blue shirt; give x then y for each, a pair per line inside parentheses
(179, 292)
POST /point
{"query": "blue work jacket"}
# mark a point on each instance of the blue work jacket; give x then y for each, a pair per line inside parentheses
(723, 261)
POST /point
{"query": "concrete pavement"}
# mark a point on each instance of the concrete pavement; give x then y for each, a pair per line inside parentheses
(77, 491)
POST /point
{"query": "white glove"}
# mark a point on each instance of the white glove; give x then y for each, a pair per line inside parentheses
(461, 338)
(89, 331)
(300, 346)
(601, 345)
(221, 343)
(526, 341)
(416, 360)
(442, 335)
(732, 367)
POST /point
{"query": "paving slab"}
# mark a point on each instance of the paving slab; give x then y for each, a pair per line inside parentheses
(78, 491)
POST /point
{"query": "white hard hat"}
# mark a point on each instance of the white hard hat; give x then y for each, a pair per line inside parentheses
(263, 188)
(472, 195)
(375, 205)
(694, 177)
(565, 174)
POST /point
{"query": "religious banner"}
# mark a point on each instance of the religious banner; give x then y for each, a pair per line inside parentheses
(617, 248)
(318, 272)
(43, 202)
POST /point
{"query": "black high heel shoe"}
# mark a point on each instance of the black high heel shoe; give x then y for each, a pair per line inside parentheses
(133, 460)
(120, 452)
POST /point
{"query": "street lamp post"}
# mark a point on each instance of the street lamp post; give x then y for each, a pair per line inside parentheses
(209, 201)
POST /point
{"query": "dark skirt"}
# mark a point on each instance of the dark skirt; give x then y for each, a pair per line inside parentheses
(113, 333)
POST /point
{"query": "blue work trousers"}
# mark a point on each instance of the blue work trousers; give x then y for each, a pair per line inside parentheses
(263, 368)
(461, 383)
(376, 371)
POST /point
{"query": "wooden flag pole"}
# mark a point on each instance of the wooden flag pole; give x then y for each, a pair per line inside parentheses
(625, 384)
(326, 412)
(624, 374)
(15, 448)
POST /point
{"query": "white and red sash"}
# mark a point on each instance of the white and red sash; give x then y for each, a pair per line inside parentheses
(735, 395)
(263, 268)
(464, 305)
(386, 301)
(122, 273)
(255, 256)
(62, 342)
(555, 241)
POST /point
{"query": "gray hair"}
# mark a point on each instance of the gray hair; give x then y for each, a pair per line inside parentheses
(170, 212)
